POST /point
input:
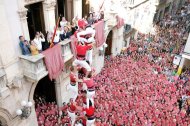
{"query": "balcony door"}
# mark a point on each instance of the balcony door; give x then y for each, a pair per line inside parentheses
(61, 7)
(85, 7)
(35, 19)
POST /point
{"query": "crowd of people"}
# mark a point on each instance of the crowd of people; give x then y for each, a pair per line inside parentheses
(139, 87)
(64, 31)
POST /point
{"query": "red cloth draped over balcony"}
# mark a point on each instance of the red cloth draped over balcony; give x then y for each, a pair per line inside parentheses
(120, 22)
(99, 36)
(73, 47)
(54, 61)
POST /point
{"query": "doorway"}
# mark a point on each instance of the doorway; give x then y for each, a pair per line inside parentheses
(35, 19)
(45, 89)
(69, 11)
(85, 7)
(109, 43)
(61, 7)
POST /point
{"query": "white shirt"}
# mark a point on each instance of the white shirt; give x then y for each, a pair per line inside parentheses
(63, 23)
(38, 42)
(57, 36)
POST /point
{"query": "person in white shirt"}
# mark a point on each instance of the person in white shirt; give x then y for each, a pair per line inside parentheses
(63, 22)
(39, 38)
(57, 37)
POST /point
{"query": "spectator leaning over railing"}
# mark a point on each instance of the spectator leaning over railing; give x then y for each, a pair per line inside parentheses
(24, 45)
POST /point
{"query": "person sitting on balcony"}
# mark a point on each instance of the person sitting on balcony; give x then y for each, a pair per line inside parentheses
(63, 22)
(39, 38)
(66, 34)
(33, 48)
(24, 45)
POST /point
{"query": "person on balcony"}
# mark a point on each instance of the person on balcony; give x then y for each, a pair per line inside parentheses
(90, 19)
(75, 21)
(65, 34)
(85, 18)
(24, 45)
(63, 22)
(39, 38)
(57, 36)
(101, 16)
(33, 48)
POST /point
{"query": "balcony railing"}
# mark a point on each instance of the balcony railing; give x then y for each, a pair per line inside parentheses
(34, 67)
(66, 50)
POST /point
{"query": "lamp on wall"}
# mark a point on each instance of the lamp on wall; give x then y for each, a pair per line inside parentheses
(25, 111)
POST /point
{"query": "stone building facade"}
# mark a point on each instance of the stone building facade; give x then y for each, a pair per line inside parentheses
(19, 75)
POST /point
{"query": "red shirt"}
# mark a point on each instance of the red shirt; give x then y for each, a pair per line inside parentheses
(89, 111)
(72, 107)
(84, 99)
(89, 83)
(72, 77)
(76, 33)
(81, 49)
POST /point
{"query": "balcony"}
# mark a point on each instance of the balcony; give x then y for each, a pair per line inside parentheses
(34, 67)
(66, 50)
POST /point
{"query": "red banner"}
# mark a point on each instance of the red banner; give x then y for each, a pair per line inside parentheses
(54, 61)
(99, 36)
(73, 43)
